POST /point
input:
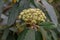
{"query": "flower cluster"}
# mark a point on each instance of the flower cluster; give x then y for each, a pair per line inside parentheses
(33, 15)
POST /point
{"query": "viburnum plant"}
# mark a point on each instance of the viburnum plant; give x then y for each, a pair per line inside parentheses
(34, 23)
(28, 20)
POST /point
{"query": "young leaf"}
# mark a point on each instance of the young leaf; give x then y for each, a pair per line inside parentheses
(47, 25)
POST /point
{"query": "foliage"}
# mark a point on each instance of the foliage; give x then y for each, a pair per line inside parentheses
(13, 28)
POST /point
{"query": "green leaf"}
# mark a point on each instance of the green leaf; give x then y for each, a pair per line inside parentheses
(1, 5)
(44, 33)
(32, 2)
(24, 4)
(54, 35)
(14, 29)
(39, 5)
(47, 25)
(27, 35)
(30, 35)
(22, 35)
(58, 28)
(12, 36)
(38, 35)
(32, 6)
(12, 15)
(15, 10)
(49, 36)
(50, 11)
(5, 34)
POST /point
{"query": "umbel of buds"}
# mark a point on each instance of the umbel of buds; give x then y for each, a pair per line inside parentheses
(32, 15)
